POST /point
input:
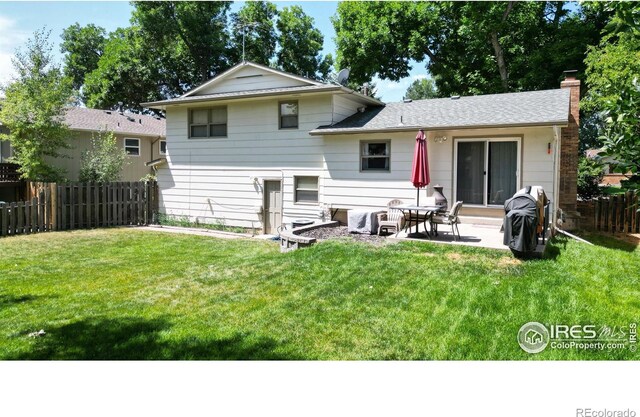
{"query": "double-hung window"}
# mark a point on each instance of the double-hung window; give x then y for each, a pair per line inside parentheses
(132, 146)
(375, 155)
(306, 189)
(163, 147)
(208, 122)
(288, 115)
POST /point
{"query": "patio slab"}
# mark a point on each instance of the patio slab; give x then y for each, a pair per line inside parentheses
(481, 235)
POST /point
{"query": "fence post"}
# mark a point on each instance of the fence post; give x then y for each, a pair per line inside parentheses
(4, 219)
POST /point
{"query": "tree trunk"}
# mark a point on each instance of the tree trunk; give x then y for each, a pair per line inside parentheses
(502, 66)
(499, 52)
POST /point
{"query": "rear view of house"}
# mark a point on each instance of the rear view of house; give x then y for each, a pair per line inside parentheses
(257, 147)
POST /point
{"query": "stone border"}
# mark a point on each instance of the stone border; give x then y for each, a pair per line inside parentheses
(291, 240)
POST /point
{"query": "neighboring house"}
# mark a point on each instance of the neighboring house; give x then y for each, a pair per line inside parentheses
(5, 148)
(257, 147)
(141, 136)
(609, 178)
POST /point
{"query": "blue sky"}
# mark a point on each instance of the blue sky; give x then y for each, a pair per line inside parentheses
(18, 20)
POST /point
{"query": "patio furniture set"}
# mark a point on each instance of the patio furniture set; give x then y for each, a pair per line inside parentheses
(402, 217)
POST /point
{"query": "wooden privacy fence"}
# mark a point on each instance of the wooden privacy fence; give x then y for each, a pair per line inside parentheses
(617, 213)
(75, 205)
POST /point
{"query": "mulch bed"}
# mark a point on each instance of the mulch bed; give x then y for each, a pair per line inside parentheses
(341, 232)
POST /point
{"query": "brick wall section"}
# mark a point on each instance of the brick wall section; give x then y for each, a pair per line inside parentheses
(568, 191)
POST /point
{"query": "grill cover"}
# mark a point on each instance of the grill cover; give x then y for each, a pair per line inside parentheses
(520, 223)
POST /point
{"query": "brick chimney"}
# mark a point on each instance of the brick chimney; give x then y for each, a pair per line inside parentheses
(568, 188)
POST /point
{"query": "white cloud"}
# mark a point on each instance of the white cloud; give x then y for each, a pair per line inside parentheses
(11, 37)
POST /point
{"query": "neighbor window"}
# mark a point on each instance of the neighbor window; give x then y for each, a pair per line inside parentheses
(132, 146)
(163, 147)
(306, 189)
(208, 123)
(375, 156)
(288, 114)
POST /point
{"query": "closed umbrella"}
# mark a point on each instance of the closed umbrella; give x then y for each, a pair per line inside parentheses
(420, 170)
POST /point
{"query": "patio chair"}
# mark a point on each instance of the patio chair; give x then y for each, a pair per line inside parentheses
(392, 219)
(450, 218)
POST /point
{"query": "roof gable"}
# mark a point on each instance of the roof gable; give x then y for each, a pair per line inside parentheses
(249, 76)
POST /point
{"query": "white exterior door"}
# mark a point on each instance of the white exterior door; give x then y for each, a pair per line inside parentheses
(272, 206)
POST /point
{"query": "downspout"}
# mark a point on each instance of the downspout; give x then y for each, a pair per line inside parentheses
(556, 176)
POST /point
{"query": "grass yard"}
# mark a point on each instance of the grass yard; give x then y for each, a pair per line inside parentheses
(125, 294)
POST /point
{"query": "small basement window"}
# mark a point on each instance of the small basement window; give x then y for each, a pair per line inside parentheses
(163, 147)
(132, 146)
(375, 156)
(306, 190)
(288, 115)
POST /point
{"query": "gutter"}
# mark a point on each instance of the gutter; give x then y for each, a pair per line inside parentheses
(353, 131)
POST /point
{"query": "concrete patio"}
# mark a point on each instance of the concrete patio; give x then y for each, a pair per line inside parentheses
(480, 232)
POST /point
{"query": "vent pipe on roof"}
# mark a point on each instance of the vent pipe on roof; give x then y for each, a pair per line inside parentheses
(120, 105)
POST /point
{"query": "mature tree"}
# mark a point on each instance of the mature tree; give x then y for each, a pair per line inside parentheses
(469, 47)
(613, 79)
(300, 45)
(83, 47)
(256, 20)
(421, 89)
(190, 37)
(103, 162)
(126, 73)
(33, 108)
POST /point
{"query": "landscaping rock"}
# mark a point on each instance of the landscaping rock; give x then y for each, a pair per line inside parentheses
(341, 232)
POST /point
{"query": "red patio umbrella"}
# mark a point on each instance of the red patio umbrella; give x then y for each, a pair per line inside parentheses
(420, 171)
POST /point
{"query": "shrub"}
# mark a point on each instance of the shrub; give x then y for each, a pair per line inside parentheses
(103, 162)
(590, 174)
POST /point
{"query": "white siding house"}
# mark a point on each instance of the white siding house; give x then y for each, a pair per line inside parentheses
(256, 147)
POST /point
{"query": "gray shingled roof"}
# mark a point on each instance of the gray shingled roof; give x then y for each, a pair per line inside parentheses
(547, 107)
(257, 93)
(80, 118)
(241, 94)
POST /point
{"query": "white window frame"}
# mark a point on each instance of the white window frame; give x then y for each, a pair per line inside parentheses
(295, 190)
(129, 146)
(361, 156)
(486, 141)
(209, 124)
(280, 103)
(160, 147)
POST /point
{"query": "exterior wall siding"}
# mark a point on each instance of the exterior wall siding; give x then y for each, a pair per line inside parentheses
(134, 168)
(212, 180)
(346, 187)
(250, 78)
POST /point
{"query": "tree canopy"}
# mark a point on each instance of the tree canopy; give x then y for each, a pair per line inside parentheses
(33, 107)
(468, 47)
(83, 47)
(256, 20)
(421, 89)
(173, 46)
(300, 44)
(613, 79)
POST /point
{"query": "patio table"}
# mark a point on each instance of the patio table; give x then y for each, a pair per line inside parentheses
(410, 209)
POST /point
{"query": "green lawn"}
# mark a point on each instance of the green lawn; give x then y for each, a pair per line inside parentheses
(125, 294)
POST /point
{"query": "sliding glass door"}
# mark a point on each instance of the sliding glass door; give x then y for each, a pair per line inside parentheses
(486, 170)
